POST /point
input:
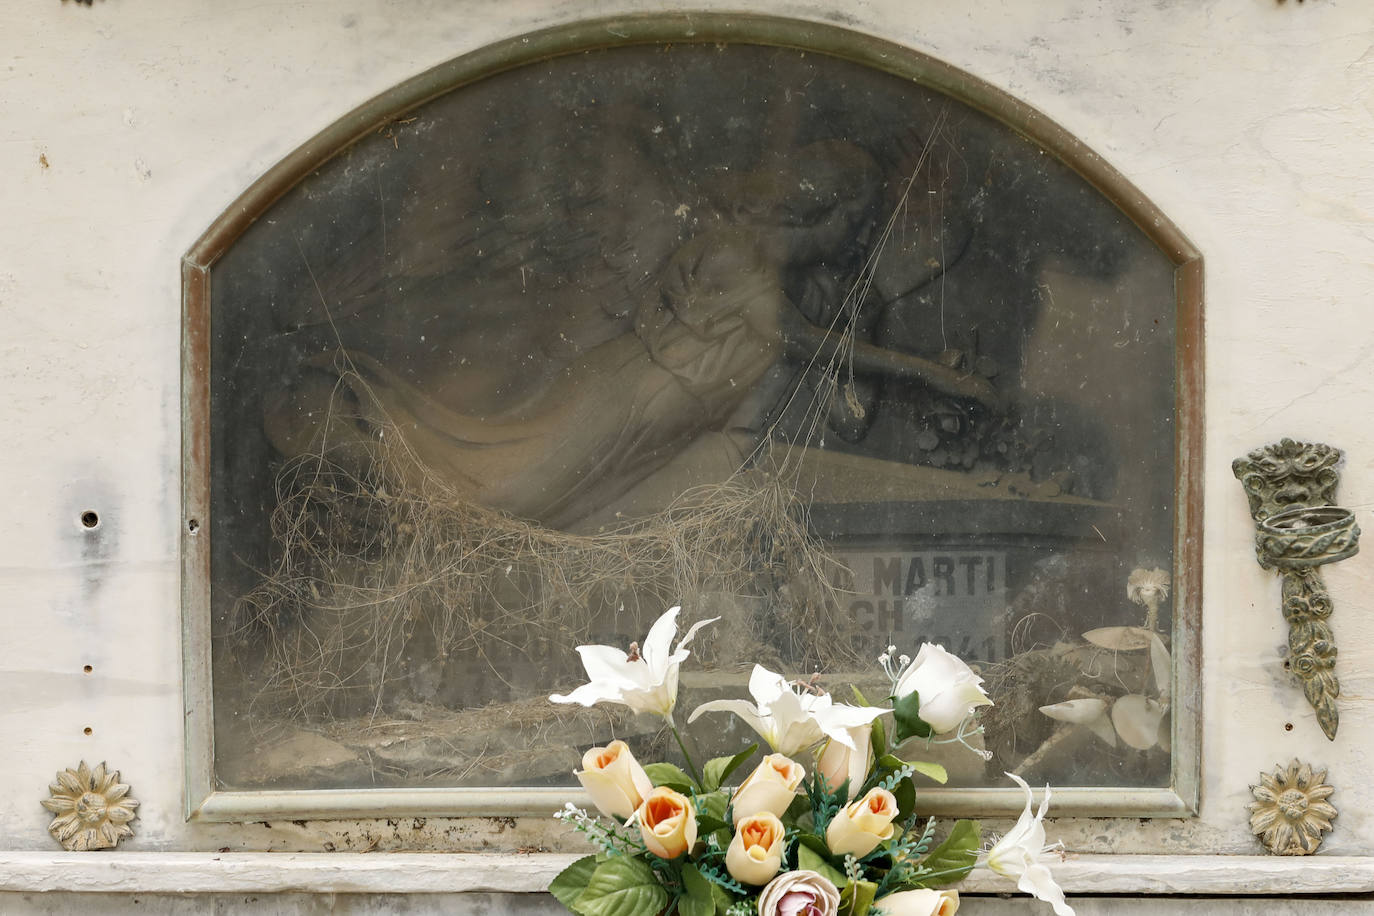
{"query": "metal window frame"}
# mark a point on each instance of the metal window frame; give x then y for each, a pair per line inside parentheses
(204, 802)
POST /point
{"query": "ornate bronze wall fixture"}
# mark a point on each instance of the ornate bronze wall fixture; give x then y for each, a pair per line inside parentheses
(1292, 488)
(1291, 809)
(92, 808)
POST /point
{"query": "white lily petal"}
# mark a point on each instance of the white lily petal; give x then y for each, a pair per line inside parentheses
(742, 708)
(659, 641)
(682, 643)
(766, 686)
(1039, 883)
(605, 663)
(588, 695)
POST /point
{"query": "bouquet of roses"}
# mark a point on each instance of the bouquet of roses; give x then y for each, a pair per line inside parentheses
(824, 825)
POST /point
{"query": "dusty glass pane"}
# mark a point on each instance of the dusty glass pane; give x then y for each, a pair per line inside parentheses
(778, 337)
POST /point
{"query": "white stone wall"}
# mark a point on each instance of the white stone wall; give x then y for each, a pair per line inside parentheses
(126, 127)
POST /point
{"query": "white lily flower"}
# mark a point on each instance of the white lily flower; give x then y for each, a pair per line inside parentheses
(790, 721)
(1022, 854)
(646, 682)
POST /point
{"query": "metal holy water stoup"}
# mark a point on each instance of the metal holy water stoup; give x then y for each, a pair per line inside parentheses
(1292, 488)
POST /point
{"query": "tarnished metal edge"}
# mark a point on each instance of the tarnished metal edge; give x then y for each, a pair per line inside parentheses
(203, 803)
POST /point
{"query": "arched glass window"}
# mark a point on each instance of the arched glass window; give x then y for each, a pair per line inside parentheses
(771, 320)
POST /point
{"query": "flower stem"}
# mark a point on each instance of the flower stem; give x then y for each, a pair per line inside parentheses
(686, 755)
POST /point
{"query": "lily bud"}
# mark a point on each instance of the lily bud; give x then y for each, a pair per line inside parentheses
(614, 779)
(755, 854)
(838, 763)
(668, 823)
(859, 827)
(770, 788)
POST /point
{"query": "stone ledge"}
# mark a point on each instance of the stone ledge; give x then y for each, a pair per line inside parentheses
(434, 873)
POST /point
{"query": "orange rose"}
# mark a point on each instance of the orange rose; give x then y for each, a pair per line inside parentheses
(668, 823)
(614, 779)
(859, 827)
(755, 854)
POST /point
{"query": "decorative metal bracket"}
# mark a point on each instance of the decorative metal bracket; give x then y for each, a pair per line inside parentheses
(1292, 488)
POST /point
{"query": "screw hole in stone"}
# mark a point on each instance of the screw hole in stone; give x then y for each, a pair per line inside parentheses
(193, 526)
(87, 730)
(1288, 726)
(87, 669)
(90, 519)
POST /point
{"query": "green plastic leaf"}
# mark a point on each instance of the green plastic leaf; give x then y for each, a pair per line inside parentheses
(724, 899)
(931, 770)
(857, 898)
(698, 899)
(954, 858)
(711, 817)
(718, 769)
(905, 793)
(666, 774)
(878, 738)
(707, 824)
(572, 881)
(809, 859)
(906, 716)
(623, 886)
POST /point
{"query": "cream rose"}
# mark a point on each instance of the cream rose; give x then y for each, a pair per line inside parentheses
(923, 902)
(755, 854)
(771, 787)
(838, 763)
(948, 688)
(799, 893)
(614, 779)
(668, 823)
(859, 827)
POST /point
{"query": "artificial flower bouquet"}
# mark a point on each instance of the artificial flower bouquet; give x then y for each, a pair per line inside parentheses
(827, 824)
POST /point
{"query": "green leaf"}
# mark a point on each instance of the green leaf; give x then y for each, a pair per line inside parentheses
(623, 886)
(698, 900)
(707, 824)
(711, 816)
(798, 812)
(957, 853)
(809, 859)
(857, 898)
(906, 715)
(723, 898)
(666, 774)
(905, 793)
(878, 738)
(931, 770)
(718, 769)
(572, 881)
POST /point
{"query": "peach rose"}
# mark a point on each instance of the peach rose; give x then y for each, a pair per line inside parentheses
(614, 779)
(860, 826)
(771, 787)
(668, 823)
(923, 902)
(838, 763)
(755, 854)
(799, 893)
